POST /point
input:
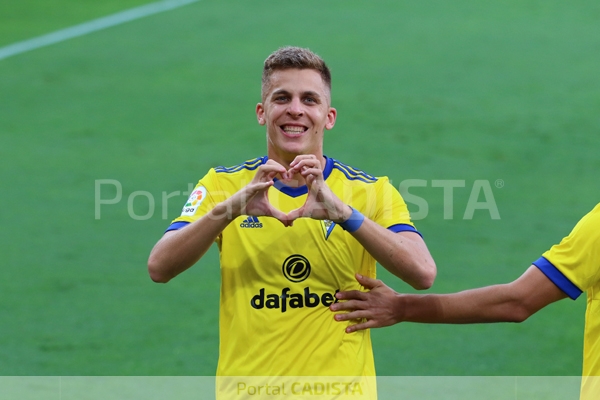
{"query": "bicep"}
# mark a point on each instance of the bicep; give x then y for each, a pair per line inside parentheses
(413, 238)
(418, 248)
(535, 290)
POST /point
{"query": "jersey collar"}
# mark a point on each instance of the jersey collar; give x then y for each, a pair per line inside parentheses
(301, 190)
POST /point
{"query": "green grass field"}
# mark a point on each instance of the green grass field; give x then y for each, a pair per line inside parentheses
(432, 90)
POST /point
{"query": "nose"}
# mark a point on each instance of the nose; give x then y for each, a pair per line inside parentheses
(295, 108)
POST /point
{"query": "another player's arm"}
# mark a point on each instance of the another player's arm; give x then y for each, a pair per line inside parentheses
(512, 302)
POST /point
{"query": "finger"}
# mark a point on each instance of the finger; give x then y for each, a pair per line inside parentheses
(368, 283)
(280, 215)
(271, 166)
(356, 314)
(260, 185)
(314, 182)
(269, 170)
(360, 316)
(349, 316)
(256, 187)
(295, 214)
(311, 171)
(350, 295)
(286, 221)
(302, 157)
(360, 327)
(304, 164)
(273, 163)
(267, 174)
(272, 174)
(287, 175)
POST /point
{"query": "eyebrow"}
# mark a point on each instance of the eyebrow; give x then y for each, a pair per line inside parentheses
(311, 93)
(280, 91)
(306, 93)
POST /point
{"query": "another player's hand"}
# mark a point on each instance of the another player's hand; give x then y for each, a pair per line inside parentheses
(253, 198)
(376, 308)
(321, 202)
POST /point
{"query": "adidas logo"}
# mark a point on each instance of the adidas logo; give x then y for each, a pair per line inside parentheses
(251, 222)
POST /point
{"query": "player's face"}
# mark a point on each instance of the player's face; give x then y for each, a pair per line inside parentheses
(296, 113)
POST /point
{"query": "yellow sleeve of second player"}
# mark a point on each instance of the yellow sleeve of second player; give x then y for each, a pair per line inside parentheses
(577, 256)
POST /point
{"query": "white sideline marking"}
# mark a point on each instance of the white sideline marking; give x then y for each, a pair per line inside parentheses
(91, 26)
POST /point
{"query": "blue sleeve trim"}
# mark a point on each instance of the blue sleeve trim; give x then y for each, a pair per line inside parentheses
(404, 228)
(177, 225)
(557, 278)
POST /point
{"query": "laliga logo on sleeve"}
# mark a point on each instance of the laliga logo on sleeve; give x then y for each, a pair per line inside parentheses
(196, 198)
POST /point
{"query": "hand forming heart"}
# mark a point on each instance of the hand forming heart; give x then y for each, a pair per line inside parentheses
(321, 203)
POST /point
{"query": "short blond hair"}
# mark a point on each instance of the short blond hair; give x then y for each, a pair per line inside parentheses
(293, 57)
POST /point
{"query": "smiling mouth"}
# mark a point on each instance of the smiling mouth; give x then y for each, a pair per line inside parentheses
(293, 130)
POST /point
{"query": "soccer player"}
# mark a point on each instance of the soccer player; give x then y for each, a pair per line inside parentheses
(565, 270)
(293, 228)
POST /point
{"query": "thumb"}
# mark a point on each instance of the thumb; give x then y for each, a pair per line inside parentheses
(258, 186)
(368, 283)
(295, 214)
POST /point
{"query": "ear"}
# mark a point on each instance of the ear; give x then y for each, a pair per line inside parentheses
(331, 116)
(260, 114)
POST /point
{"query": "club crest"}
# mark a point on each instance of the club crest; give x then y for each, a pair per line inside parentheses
(327, 226)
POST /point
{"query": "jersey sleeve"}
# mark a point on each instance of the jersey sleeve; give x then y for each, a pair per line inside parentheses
(205, 196)
(392, 212)
(574, 264)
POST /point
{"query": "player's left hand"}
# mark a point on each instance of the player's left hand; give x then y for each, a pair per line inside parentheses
(376, 308)
(321, 203)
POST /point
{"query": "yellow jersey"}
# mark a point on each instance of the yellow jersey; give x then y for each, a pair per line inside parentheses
(574, 266)
(277, 282)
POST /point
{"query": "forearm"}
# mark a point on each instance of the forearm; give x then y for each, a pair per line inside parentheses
(178, 250)
(382, 306)
(489, 304)
(405, 256)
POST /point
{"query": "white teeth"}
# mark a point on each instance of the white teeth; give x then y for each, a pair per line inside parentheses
(293, 129)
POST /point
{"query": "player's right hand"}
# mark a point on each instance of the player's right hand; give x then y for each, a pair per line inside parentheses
(253, 198)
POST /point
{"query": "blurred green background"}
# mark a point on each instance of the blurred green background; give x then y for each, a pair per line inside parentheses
(504, 91)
